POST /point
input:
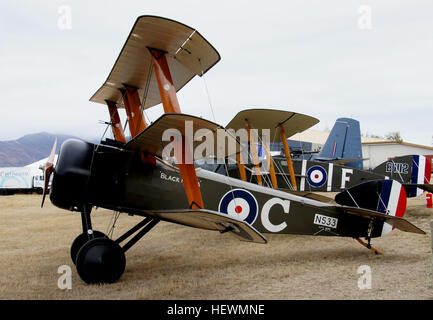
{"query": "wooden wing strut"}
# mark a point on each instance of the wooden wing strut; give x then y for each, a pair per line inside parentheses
(171, 105)
(288, 158)
(116, 124)
(253, 151)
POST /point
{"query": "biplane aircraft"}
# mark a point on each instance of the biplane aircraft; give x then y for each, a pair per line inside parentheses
(159, 57)
(322, 174)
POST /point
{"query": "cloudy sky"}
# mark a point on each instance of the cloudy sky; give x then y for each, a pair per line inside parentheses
(370, 60)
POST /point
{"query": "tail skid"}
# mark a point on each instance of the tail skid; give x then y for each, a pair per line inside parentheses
(368, 246)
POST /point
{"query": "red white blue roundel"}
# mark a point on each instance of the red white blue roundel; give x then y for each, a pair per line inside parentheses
(240, 204)
(316, 176)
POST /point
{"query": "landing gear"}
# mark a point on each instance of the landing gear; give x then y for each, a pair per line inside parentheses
(99, 259)
(80, 240)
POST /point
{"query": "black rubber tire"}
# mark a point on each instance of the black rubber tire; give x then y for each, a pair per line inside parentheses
(100, 260)
(80, 240)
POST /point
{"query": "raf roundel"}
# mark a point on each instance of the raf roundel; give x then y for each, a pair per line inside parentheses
(240, 204)
(316, 176)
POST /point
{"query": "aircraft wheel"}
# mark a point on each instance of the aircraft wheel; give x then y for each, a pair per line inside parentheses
(100, 260)
(80, 240)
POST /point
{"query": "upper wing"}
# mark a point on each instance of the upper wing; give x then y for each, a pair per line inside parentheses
(188, 54)
(292, 122)
(209, 220)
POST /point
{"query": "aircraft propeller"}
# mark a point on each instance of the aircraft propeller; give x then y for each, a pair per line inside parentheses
(48, 168)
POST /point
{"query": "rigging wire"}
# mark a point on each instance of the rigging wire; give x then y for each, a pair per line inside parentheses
(214, 119)
(228, 182)
(276, 165)
(284, 176)
(113, 221)
(95, 149)
(381, 201)
(146, 91)
(143, 99)
(207, 91)
(398, 171)
(350, 195)
(127, 118)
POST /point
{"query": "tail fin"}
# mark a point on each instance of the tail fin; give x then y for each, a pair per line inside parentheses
(344, 142)
(409, 170)
(384, 196)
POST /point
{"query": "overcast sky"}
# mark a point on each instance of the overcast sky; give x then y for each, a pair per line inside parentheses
(370, 60)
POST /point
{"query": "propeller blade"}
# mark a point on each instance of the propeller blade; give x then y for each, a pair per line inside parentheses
(47, 174)
(48, 169)
(52, 154)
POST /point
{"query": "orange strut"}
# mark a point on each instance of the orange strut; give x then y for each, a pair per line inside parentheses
(288, 158)
(171, 105)
(253, 153)
(116, 125)
(135, 106)
(165, 82)
(135, 121)
(271, 166)
(241, 167)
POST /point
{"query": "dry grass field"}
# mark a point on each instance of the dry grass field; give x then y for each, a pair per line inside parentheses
(175, 262)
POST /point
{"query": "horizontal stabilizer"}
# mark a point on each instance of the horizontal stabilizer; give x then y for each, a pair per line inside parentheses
(151, 138)
(295, 152)
(425, 187)
(381, 196)
(210, 220)
(342, 161)
(397, 222)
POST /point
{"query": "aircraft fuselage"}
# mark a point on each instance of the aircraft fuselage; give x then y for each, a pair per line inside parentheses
(119, 180)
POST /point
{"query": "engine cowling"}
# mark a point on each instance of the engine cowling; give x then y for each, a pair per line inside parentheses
(71, 174)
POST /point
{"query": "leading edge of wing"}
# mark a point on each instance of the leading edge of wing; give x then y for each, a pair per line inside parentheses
(209, 220)
(152, 138)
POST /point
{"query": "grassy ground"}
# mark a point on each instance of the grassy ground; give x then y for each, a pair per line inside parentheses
(176, 262)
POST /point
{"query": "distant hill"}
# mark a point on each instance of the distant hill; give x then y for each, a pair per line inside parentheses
(28, 149)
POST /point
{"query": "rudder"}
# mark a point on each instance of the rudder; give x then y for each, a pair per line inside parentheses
(344, 142)
(384, 196)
